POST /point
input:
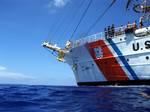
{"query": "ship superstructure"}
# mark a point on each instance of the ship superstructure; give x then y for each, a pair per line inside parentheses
(116, 56)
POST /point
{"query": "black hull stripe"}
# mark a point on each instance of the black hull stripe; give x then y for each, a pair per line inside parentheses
(122, 83)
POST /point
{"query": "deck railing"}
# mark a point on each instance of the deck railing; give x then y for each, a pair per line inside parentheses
(102, 35)
(87, 39)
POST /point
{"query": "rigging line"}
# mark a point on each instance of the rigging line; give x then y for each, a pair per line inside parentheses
(100, 17)
(55, 25)
(82, 17)
(74, 17)
(49, 31)
(128, 3)
(52, 52)
(74, 13)
(59, 26)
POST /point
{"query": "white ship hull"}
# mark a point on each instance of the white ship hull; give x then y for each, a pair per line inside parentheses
(122, 59)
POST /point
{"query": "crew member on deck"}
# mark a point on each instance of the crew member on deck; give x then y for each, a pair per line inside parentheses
(109, 31)
(106, 33)
(128, 25)
(134, 26)
(141, 21)
(112, 30)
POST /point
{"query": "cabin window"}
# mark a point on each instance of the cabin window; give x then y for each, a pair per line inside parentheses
(98, 52)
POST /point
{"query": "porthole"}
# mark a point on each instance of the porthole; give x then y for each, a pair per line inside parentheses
(147, 57)
(127, 59)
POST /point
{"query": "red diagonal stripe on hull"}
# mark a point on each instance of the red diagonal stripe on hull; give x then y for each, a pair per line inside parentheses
(108, 64)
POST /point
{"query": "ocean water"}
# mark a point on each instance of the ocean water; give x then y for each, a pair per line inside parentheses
(22, 98)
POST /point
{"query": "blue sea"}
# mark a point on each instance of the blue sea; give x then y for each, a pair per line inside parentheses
(24, 98)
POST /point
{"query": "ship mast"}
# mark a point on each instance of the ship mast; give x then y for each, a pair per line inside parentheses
(144, 9)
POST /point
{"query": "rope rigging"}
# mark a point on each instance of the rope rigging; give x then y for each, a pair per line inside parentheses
(73, 16)
(55, 26)
(52, 52)
(54, 49)
(100, 17)
(82, 17)
(61, 52)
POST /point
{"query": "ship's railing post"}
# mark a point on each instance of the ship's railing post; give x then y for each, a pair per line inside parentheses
(119, 31)
(97, 36)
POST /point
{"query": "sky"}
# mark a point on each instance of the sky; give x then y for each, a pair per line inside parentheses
(25, 24)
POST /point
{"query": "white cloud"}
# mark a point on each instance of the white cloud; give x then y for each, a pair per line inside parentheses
(58, 3)
(13, 76)
(2, 68)
(7, 75)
